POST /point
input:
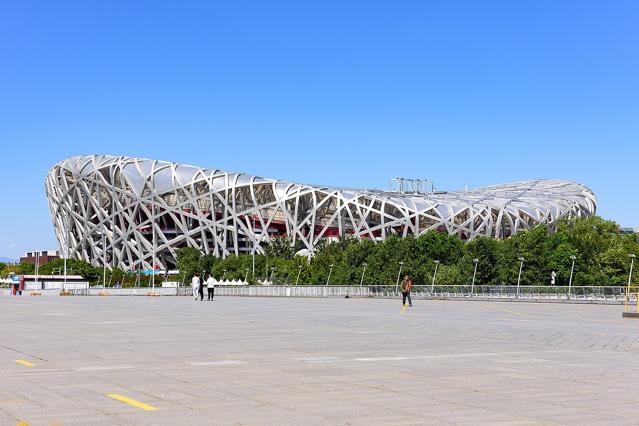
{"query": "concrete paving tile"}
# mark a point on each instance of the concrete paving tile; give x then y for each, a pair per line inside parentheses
(316, 362)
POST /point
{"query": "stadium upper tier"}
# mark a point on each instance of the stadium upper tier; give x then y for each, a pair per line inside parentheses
(123, 209)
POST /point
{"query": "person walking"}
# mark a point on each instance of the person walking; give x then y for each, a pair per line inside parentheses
(201, 291)
(210, 287)
(406, 286)
(195, 283)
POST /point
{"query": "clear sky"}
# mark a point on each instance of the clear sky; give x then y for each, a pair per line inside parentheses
(344, 93)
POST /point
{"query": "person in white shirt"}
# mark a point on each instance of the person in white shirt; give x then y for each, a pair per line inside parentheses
(195, 283)
(210, 286)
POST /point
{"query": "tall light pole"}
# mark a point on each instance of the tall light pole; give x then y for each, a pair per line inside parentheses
(330, 271)
(632, 263)
(361, 281)
(38, 264)
(572, 270)
(103, 260)
(223, 274)
(273, 268)
(432, 285)
(154, 245)
(66, 248)
(401, 265)
(246, 275)
(299, 272)
(254, 246)
(521, 266)
(472, 286)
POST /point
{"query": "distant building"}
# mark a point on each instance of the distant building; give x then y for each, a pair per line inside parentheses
(629, 231)
(42, 257)
(54, 282)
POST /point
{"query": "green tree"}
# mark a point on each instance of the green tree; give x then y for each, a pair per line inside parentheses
(188, 261)
(282, 247)
(206, 263)
(486, 251)
(26, 268)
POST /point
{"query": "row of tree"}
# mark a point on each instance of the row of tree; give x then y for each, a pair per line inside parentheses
(601, 258)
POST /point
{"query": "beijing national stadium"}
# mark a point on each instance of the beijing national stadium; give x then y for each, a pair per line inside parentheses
(120, 210)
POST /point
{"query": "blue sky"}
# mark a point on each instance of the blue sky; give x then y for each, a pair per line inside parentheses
(343, 93)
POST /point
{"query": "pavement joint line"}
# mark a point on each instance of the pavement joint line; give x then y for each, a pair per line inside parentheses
(25, 362)
(217, 363)
(321, 360)
(132, 402)
(103, 368)
(514, 312)
(23, 353)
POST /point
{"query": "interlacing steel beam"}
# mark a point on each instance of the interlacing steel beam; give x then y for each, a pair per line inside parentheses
(110, 207)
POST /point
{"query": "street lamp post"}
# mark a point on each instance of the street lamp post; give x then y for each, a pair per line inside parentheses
(401, 265)
(223, 274)
(38, 264)
(330, 271)
(273, 268)
(572, 270)
(361, 281)
(66, 249)
(299, 272)
(521, 266)
(153, 238)
(254, 245)
(632, 263)
(432, 285)
(103, 260)
(472, 286)
(246, 275)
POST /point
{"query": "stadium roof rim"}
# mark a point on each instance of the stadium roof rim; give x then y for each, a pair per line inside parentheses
(329, 188)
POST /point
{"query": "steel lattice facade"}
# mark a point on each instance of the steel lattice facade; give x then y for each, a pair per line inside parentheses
(118, 209)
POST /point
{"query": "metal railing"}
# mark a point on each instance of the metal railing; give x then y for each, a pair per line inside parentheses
(295, 291)
(602, 293)
(479, 292)
(631, 300)
(605, 294)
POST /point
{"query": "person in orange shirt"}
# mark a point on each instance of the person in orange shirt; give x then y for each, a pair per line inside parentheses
(406, 286)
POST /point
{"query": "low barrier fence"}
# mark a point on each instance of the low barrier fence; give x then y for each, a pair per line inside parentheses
(295, 291)
(594, 293)
(631, 301)
(610, 294)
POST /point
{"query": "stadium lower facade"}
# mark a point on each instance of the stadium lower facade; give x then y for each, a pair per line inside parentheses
(120, 210)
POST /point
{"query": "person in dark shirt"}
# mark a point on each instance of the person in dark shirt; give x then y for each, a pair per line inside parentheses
(405, 287)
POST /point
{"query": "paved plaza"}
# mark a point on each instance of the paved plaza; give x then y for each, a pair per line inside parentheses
(283, 361)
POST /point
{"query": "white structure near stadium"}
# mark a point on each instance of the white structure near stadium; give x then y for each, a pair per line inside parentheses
(120, 210)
